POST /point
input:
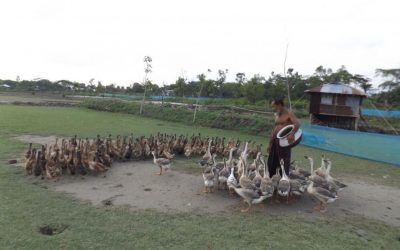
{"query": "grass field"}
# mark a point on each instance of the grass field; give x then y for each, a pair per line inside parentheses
(24, 206)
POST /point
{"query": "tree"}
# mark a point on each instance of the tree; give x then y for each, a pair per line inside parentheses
(180, 86)
(362, 82)
(221, 80)
(137, 88)
(394, 78)
(147, 70)
(100, 88)
(254, 89)
(296, 83)
(391, 85)
(240, 77)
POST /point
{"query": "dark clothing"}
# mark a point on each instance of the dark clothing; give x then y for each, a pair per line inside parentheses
(276, 154)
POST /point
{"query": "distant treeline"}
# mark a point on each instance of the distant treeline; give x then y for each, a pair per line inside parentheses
(253, 89)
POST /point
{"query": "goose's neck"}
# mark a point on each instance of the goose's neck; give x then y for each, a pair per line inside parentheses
(328, 169)
(230, 155)
(323, 163)
(266, 172)
(284, 176)
(257, 172)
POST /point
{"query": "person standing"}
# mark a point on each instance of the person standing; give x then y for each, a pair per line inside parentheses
(283, 117)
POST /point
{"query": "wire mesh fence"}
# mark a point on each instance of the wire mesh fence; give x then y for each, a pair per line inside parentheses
(372, 146)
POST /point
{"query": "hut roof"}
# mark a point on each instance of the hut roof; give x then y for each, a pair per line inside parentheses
(336, 88)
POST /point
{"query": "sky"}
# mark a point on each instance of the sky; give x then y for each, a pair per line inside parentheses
(107, 40)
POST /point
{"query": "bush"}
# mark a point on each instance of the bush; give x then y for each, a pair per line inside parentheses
(224, 119)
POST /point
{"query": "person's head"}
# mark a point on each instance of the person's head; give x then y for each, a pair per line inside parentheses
(277, 104)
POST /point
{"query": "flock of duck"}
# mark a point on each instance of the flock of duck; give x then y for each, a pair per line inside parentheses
(250, 181)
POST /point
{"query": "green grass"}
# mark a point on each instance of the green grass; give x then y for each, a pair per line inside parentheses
(84, 122)
(26, 204)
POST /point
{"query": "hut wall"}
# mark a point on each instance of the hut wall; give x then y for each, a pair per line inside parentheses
(333, 104)
(315, 103)
(334, 121)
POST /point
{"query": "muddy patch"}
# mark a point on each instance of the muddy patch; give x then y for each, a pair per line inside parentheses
(52, 229)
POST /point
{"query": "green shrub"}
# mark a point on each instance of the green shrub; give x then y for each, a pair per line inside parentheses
(224, 119)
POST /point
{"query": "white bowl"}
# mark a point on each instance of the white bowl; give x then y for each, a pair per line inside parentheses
(285, 132)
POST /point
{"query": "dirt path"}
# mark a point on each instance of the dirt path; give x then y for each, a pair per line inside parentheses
(135, 184)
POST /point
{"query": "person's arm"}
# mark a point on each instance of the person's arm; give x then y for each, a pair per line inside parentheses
(293, 120)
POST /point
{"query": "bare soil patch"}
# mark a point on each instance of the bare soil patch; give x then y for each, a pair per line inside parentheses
(135, 184)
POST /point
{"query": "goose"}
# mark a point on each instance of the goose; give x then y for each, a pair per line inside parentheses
(339, 186)
(296, 187)
(321, 171)
(162, 163)
(244, 154)
(231, 182)
(51, 171)
(78, 163)
(266, 186)
(207, 156)
(30, 164)
(218, 165)
(94, 165)
(300, 171)
(252, 170)
(253, 166)
(223, 175)
(209, 178)
(318, 180)
(168, 155)
(188, 150)
(245, 181)
(284, 183)
(37, 169)
(29, 152)
(257, 178)
(230, 160)
(275, 179)
(205, 160)
(250, 196)
(322, 195)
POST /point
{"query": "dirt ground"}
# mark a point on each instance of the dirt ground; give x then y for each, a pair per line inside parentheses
(134, 184)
